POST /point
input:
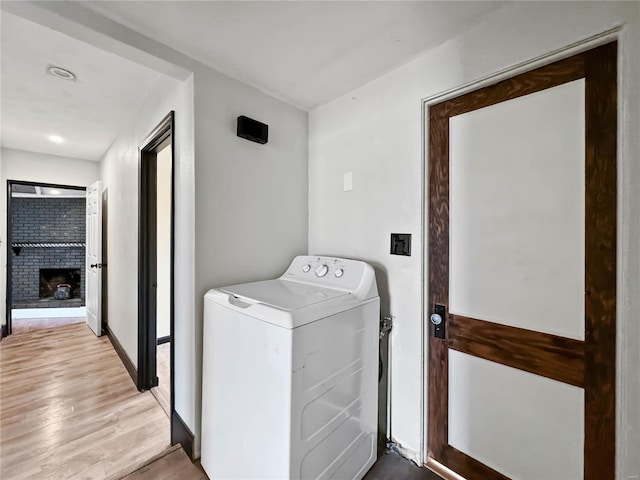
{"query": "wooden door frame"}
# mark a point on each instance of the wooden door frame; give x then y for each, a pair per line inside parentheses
(161, 136)
(7, 328)
(600, 341)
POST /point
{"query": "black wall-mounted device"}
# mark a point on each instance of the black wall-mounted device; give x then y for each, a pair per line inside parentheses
(252, 129)
(401, 244)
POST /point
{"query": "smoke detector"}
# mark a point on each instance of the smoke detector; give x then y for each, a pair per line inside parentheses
(60, 72)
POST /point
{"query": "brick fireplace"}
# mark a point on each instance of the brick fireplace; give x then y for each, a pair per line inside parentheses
(48, 236)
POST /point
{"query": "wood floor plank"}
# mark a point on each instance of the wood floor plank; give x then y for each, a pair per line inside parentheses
(22, 325)
(163, 368)
(69, 409)
(174, 466)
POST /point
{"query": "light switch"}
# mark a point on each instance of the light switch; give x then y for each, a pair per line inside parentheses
(348, 181)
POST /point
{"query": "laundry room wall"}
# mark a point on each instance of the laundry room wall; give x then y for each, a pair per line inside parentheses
(3, 255)
(241, 208)
(120, 183)
(37, 167)
(375, 132)
(251, 199)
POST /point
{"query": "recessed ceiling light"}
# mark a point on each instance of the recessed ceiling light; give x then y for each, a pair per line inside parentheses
(60, 72)
(56, 138)
(53, 191)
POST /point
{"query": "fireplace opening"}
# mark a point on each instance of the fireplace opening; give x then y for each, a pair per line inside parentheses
(67, 278)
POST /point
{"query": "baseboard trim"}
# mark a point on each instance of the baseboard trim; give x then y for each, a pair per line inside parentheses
(162, 340)
(126, 361)
(181, 434)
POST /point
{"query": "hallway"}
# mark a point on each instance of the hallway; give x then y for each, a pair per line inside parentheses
(70, 409)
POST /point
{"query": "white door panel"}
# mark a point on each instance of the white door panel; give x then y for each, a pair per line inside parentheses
(517, 211)
(523, 425)
(93, 267)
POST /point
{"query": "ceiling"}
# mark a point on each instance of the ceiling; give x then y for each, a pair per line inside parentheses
(305, 52)
(86, 113)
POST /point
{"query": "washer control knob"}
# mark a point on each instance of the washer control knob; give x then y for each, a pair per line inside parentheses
(339, 272)
(306, 268)
(321, 271)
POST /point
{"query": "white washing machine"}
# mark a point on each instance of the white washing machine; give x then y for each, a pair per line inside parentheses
(290, 374)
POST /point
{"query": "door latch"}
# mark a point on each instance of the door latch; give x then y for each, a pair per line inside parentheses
(438, 320)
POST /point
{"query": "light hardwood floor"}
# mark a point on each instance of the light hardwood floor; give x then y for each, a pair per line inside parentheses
(23, 325)
(69, 410)
(163, 369)
(173, 466)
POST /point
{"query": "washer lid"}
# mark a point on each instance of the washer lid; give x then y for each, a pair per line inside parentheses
(284, 294)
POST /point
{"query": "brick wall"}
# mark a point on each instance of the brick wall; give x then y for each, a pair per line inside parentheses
(48, 219)
(45, 220)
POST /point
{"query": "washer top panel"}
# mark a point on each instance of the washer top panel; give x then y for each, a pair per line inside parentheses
(283, 294)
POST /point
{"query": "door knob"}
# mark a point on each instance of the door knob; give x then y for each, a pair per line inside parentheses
(95, 265)
(437, 318)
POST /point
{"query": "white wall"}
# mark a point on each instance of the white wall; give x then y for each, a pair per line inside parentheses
(163, 227)
(241, 208)
(119, 168)
(37, 167)
(3, 255)
(376, 133)
(120, 177)
(251, 199)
